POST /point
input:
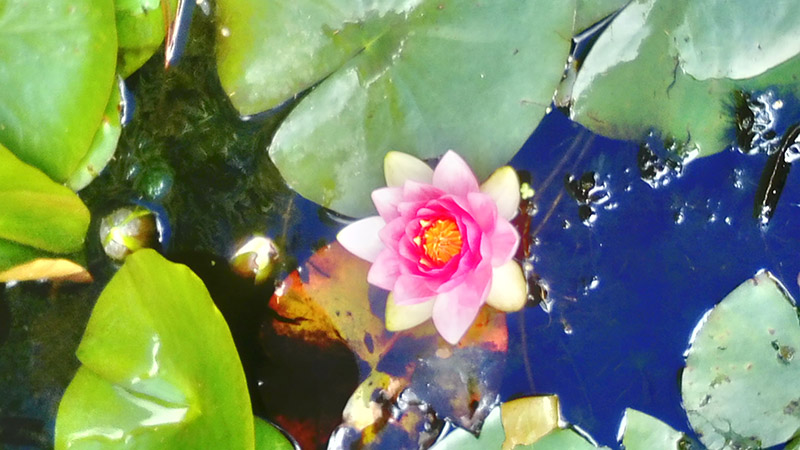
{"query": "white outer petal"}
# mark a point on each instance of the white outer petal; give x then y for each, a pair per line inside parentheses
(503, 187)
(361, 237)
(398, 167)
(509, 290)
(403, 317)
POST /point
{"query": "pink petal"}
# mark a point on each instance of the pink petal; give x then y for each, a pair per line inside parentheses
(391, 234)
(416, 192)
(386, 201)
(505, 241)
(454, 311)
(483, 209)
(454, 176)
(385, 270)
(410, 289)
(361, 238)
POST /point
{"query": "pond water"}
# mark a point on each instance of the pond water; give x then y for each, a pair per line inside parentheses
(629, 265)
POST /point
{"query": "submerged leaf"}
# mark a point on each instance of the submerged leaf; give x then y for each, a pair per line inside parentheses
(160, 369)
(414, 76)
(741, 384)
(334, 307)
(57, 63)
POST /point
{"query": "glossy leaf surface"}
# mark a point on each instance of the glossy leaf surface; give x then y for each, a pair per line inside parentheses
(159, 367)
(645, 432)
(57, 63)
(270, 438)
(415, 76)
(40, 218)
(664, 65)
(103, 145)
(741, 384)
(141, 27)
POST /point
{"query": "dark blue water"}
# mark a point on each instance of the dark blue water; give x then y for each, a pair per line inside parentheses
(659, 258)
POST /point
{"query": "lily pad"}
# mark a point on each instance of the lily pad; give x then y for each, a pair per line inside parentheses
(160, 369)
(57, 63)
(413, 76)
(741, 384)
(103, 146)
(668, 65)
(491, 436)
(40, 218)
(561, 439)
(270, 438)
(589, 12)
(645, 432)
(141, 27)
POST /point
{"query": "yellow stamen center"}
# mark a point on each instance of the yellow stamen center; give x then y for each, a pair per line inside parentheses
(440, 240)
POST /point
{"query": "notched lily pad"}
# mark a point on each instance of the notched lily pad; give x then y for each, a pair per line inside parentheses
(644, 432)
(741, 383)
(57, 64)
(40, 218)
(160, 369)
(415, 76)
(674, 66)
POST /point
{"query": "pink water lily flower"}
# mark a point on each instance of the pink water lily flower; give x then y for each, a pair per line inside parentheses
(442, 244)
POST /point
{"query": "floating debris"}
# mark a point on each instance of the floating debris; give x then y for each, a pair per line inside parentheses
(773, 178)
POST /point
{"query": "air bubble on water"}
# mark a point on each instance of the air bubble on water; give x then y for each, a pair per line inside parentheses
(567, 327)
(712, 218)
(679, 217)
(728, 220)
(738, 178)
(566, 225)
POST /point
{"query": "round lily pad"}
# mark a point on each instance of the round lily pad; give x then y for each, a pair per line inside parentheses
(741, 384)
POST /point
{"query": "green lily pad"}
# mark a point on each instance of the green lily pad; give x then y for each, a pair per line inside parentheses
(589, 12)
(270, 438)
(662, 65)
(57, 63)
(645, 432)
(412, 76)
(103, 146)
(160, 369)
(40, 218)
(741, 384)
(561, 439)
(491, 436)
(141, 27)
